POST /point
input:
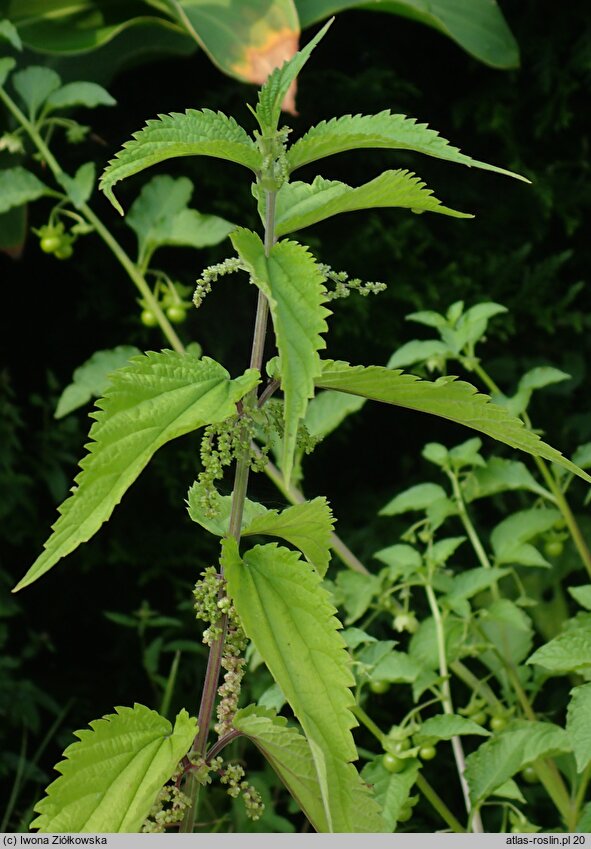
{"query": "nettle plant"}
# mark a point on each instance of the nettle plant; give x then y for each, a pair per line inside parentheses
(132, 770)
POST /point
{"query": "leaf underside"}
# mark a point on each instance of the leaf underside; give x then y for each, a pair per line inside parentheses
(303, 204)
(155, 399)
(446, 397)
(112, 774)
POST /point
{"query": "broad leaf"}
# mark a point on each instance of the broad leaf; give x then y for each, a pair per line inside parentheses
(291, 281)
(303, 204)
(501, 475)
(510, 538)
(87, 94)
(473, 581)
(9, 32)
(384, 130)
(91, 378)
(578, 724)
(582, 595)
(391, 790)
(289, 754)
(570, 651)
(111, 776)
(417, 497)
(447, 397)
(327, 410)
(80, 186)
(34, 85)
(521, 743)
(288, 616)
(444, 727)
(478, 27)
(158, 397)
(273, 92)
(420, 351)
(18, 186)
(191, 133)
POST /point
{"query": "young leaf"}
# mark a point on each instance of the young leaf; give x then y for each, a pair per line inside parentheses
(444, 727)
(111, 776)
(292, 282)
(446, 397)
(9, 32)
(578, 724)
(384, 130)
(19, 186)
(582, 595)
(303, 204)
(327, 410)
(501, 475)
(417, 497)
(191, 133)
(156, 398)
(419, 351)
(80, 187)
(219, 522)
(89, 95)
(390, 790)
(288, 616)
(160, 216)
(91, 379)
(473, 581)
(34, 85)
(521, 743)
(510, 538)
(273, 92)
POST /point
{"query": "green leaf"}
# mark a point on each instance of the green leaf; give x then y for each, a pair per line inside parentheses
(160, 216)
(419, 351)
(18, 186)
(156, 398)
(397, 668)
(402, 560)
(570, 651)
(307, 526)
(521, 743)
(292, 282)
(87, 94)
(536, 378)
(6, 66)
(479, 28)
(34, 85)
(9, 32)
(582, 595)
(447, 397)
(423, 645)
(191, 133)
(473, 581)
(390, 790)
(303, 204)
(384, 130)
(273, 92)
(111, 776)
(584, 823)
(443, 549)
(79, 187)
(327, 410)
(582, 456)
(91, 379)
(510, 538)
(417, 497)
(218, 520)
(578, 724)
(288, 616)
(444, 727)
(13, 230)
(355, 592)
(501, 475)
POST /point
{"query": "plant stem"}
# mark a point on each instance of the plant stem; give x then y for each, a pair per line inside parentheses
(448, 708)
(428, 792)
(559, 496)
(216, 651)
(134, 274)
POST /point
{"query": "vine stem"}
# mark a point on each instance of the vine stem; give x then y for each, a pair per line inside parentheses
(447, 703)
(216, 651)
(132, 271)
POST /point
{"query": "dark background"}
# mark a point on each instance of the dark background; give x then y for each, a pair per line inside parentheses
(527, 248)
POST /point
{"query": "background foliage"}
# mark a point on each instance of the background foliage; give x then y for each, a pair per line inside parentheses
(74, 646)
